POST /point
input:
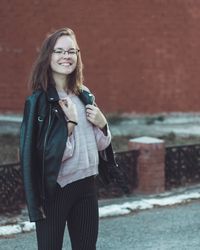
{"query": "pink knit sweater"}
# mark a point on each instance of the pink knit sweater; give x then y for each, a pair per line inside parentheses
(80, 159)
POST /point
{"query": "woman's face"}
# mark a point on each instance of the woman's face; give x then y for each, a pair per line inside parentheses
(64, 57)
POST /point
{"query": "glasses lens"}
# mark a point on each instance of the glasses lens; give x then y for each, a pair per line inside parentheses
(69, 52)
(58, 51)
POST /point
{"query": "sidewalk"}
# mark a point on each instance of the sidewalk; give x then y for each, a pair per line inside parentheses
(112, 207)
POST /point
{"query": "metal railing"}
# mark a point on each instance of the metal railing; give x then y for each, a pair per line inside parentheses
(127, 161)
(12, 197)
(182, 165)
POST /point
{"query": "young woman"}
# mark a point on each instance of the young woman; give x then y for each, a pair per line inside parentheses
(61, 134)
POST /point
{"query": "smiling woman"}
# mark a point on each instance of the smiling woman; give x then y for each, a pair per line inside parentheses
(59, 54)
(64, 57)
(61, 134)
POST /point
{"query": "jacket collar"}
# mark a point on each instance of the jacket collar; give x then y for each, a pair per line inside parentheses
(85, 96)
(52, 94)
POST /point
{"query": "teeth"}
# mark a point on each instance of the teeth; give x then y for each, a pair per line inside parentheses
(65, 64)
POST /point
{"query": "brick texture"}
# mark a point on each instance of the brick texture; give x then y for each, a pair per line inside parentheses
(139, 56)
(150, 166)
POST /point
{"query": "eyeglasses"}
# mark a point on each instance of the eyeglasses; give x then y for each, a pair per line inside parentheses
(70, 52)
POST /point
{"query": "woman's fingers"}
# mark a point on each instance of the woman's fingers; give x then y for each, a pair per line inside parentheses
(67, 101)
(61, 103)
(69, 109)
(90, 109)
(90, 112)
(89, 106)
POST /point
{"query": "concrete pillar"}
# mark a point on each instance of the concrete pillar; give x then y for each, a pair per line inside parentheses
(151, 164)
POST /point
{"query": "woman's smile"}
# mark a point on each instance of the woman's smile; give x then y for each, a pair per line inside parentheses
(65, 64)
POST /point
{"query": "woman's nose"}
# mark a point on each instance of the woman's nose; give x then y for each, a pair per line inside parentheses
(66, 54)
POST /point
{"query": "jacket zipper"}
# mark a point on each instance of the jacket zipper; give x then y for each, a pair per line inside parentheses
(45, 139)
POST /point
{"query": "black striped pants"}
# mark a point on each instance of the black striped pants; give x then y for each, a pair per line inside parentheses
(77, 204)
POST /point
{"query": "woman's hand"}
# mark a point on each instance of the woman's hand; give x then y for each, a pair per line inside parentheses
(95, 116)
(69, 109)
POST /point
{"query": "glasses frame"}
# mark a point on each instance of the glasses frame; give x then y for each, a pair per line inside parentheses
(70, 52)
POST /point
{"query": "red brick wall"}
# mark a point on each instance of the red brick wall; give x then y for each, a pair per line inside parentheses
(139, 56)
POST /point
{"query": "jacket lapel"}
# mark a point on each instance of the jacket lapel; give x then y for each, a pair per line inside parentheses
(52, 94)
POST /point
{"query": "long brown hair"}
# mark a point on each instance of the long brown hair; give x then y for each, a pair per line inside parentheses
(41, 75)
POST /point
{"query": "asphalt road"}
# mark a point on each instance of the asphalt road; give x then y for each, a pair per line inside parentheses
(169, 228)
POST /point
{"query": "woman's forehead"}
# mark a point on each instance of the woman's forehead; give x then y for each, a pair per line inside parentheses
(64, 42)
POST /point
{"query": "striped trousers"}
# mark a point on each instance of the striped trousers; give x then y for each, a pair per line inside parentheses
(77, 205)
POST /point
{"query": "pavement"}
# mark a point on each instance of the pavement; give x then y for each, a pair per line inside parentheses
(15, 224)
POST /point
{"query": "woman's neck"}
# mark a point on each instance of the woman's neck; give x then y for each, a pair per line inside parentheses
(61, 82)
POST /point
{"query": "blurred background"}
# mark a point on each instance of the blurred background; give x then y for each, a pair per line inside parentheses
(141, 60)
(139, 56)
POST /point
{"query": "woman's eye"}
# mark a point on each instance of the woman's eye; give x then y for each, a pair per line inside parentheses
(72, 52)
(58, 51)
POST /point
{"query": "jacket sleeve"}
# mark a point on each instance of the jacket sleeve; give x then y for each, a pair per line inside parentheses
(28, 159)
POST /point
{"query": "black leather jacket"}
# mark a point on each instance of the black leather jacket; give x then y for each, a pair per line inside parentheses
(43, 138)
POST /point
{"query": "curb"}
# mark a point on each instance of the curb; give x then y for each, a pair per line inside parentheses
(116, 209)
